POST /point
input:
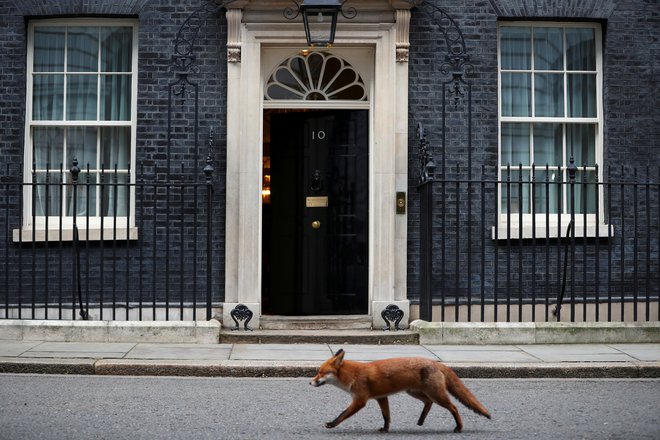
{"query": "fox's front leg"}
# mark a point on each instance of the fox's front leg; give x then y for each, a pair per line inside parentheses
(385, 409)
(355, 406)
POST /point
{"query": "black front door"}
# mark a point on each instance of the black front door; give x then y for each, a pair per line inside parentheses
(315, 225)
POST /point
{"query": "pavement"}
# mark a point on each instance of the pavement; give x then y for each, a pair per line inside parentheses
(593, 360)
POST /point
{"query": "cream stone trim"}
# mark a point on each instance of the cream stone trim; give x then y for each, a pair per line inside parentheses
(234, 17)
(402, 17)
(263, 31)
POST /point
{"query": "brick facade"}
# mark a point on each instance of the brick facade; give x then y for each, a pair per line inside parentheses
(631, 31)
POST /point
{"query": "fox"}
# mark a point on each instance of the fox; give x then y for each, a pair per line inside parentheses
(423, 379)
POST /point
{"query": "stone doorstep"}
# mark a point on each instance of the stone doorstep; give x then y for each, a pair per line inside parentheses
(375, 337)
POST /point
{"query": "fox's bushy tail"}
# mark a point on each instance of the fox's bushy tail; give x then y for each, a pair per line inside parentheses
(457, 389)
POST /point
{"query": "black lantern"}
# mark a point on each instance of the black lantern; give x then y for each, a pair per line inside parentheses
(320, 19)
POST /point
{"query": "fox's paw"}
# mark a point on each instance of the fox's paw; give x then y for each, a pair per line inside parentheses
(384, 430)
(457, 429)
(330, 425)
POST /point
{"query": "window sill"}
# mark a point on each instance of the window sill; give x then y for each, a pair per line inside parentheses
(28, 235)
(542, 232)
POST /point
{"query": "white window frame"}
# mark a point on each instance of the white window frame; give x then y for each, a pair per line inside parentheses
(509, 224)
(41, 228)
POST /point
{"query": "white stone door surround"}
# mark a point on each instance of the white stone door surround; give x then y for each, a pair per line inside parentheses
(256, 30)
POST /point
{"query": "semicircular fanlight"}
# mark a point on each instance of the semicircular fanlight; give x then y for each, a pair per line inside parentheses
(319, 76)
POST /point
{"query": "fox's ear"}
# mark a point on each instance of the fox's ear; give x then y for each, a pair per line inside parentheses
(338, 357)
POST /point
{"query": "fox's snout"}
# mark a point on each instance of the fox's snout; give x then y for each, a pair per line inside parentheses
(317, 381)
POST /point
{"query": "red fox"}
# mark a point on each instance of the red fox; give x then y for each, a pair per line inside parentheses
(421, 378)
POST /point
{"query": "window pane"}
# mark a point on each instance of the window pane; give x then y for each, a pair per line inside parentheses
(116, 49)
(48, 143)
(516, 96)
(515, 144)
(581, 143)
(47, 194)
(115, 197)
(548, 49)
(83, 49)
(581, 49)
(115, 147)
(81, 144)
(516, 47)
(582, 95)
(48, 49)
(81, 97)
(547, 144)
(546, 190)
(47, 97)
(549, 94)
(511, 191)
(586, 192)
(115, 98)
(85, 196)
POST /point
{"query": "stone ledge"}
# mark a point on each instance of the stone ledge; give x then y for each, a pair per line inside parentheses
(493, 333)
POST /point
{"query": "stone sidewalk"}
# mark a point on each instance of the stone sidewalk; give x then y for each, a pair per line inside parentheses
(301, 360)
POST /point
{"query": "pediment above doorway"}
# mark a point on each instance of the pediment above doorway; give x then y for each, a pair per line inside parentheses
(269, 17)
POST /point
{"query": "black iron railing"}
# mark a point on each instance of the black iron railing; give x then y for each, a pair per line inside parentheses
(573, 247)
(147, 256)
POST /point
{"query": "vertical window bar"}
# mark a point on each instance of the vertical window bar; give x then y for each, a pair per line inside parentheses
(520, 241)
(508, 242)
(181, 243)
(35, 186)
(141, 186)
(648, 245)
(623, 243)
(457, 246)
(560, 203)
(101, 193)
(88, 190)
(114, 244)
(46, 256)
(635, 185)
(483, 242)
(61, 240)
(532, 195)
(610, 243)
(167, 250)
(597, 286)
(128, 237)
(547, 241)
(585, 249)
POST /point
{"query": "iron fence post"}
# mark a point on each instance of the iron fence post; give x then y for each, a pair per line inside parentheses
(426, 231)
(75, 172)
(208, 173)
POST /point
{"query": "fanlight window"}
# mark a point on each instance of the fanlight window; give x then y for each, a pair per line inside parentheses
(319, 76)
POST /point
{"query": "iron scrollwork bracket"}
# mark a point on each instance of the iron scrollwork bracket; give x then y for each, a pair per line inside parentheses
(240, 313)
(392, 313)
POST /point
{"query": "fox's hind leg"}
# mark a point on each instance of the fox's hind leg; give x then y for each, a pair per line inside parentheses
(385, 409)
(427, 405)
(441, 397)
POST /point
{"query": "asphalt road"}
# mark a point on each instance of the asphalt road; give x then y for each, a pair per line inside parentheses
(105, 407)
